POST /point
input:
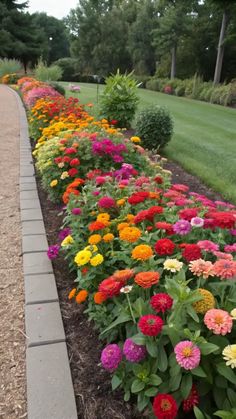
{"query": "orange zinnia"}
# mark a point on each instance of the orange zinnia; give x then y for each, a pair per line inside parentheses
(72, 294)
(142, 252)
(147, 279)
(130, 234)
(123, 275)
(99, 297)
(81, 296)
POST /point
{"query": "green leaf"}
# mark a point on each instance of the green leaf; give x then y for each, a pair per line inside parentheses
(175, 370)
(231, 396)
(175, 382)
(139, 339)
(162, 358)
(219, 396)
(207, 348)
(226, 372)
(115, 382)
(123, 318)
(151, 392)
(198, 413)
(127, 396)
(199, 372)
(186, 385)
(152, 348)
(154, 380)
(137, 386)
(192, 313)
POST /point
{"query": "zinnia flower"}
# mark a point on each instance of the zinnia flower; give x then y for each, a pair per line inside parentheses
(197, 222)
(192, 399)
(72, 294)
(164, 247)
(142, 252)
(97, 260)
(147, 279)
(150, 325)
(53, 251)
(229, 355)
(110, 287)
(82, 257)
(106, 202)
(130, 234)
(96, 225)
(94, 239)
(111, 357)
(108, 237)
(67, 241)
(182, 227)
(219, 321)
(173, 265)
(206, 303)
(201, 267)
(191, 252)
(187, 354)
(76, 211)
(53, 183)
(165, 407)
(134, 352)
(123, 275)
(99, 297)
(225, 269)
(208, 245)
(161, 302)
(126, 289)
(81, 296)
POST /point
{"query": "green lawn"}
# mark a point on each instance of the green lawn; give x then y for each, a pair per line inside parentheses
(204, 140)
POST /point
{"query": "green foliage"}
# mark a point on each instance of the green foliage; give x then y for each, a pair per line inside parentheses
(154, 126)
(58, 87)
(68, 66)
(119, 100)
(44, 73)
(9, 66)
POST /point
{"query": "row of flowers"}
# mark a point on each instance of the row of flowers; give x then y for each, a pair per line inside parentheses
(155, 262)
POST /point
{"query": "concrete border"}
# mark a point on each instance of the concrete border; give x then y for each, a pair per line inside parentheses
(50, 393)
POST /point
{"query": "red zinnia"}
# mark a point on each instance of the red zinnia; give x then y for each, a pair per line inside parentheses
(70, 150)
(164, 247)
(58, 160)
(191, 252)
(153, 211)
(224, 219)
(165, 407)
(74, 162)
(188, 213)
(162, 225)
(138, 197)
(73, 172)
(150, 325)
(161, 302)
(158, 179)
(141, 216)
(192, 400)
(110, 287)
(66, 159)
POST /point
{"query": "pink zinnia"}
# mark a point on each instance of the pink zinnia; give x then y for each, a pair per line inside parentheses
(197, 222)
(230, 248)
(225, 269)
(106, 202)
(208, 245)
(222, 255)
(219, 321)
(182, 227)
(200, 267)
(187, 354)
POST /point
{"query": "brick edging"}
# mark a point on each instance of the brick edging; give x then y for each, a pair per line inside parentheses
(50, 393)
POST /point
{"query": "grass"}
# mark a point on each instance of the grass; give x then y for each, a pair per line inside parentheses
(204, 140)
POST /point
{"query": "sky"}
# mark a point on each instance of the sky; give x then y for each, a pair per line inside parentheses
(56, 8)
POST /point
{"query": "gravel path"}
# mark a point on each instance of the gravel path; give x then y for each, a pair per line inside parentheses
(12, 338)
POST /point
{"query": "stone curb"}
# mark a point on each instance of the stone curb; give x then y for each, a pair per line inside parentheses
(50, 393)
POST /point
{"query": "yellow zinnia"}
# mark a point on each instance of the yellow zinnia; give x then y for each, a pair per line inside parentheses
(67, 241)
(97, 260)
(135, 139)
(229, 355)
(54, 183)
(83, 257)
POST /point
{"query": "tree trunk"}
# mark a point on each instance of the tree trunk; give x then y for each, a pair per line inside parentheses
(173, 62)
(220, 49)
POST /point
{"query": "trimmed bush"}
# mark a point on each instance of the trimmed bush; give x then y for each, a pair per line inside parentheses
(155, 127)
(120, 99)
(58, 87)
(69, 67)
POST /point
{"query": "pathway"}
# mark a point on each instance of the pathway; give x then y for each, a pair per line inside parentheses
(12, 338)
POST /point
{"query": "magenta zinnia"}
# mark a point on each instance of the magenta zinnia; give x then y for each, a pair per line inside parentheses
(187, 354)
(111, 357)
(134, 352)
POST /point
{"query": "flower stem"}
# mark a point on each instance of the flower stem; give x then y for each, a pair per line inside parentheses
(131, 311)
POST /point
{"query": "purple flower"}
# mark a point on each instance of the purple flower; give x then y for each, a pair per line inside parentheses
(134, 352)
(106, 202)
(233, 232)
(53, 251)
(64, 233)
(76, 211)
(111, 357)
(182, 227)
(117, 158)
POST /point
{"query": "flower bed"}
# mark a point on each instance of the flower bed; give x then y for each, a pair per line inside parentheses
(154, 261)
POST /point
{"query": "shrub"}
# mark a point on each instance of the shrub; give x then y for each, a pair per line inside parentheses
(120, 99)
(153, 84)
(180, 90)
(44, 73)
(58, 87)
(155, 126)
(10, 78)
(68, 66)
(9, 66)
